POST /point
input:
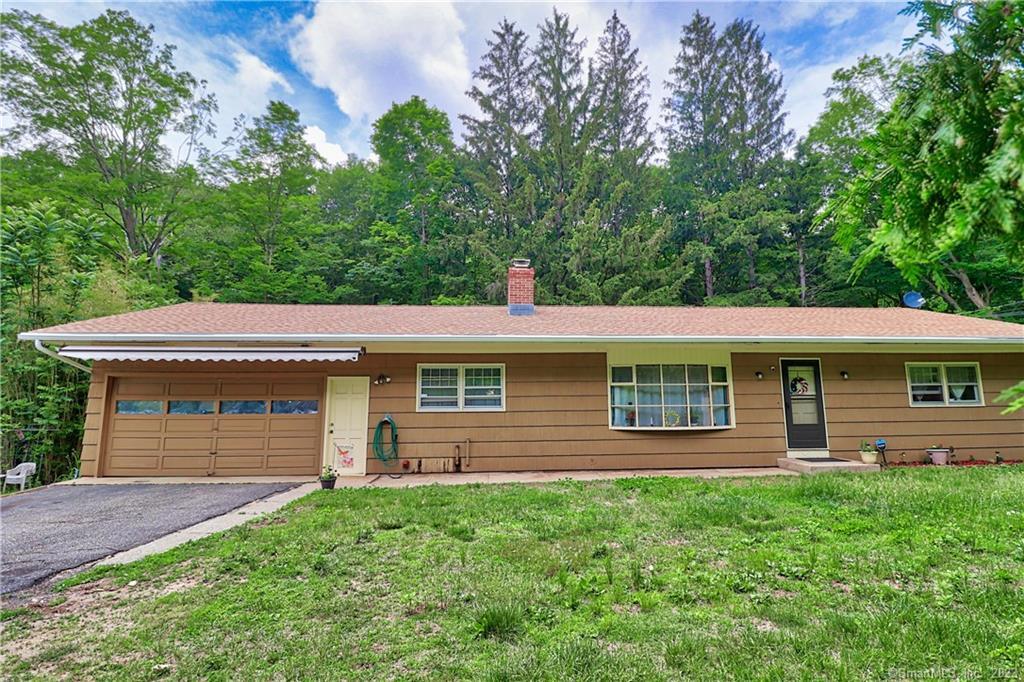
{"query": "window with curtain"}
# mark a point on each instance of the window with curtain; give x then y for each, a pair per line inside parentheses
(674, 396)
(944, 383)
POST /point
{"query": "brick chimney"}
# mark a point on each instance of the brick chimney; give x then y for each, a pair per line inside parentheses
(520, 287)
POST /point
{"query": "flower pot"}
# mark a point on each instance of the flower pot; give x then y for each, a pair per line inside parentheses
(327, 483)
(869, 457)
(938, 456)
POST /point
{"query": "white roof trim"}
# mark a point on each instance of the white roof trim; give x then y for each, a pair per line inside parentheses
(499, 338)
(151, 353)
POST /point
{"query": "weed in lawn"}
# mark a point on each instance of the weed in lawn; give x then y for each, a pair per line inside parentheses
(503, 620)
(683, 653)
(461, 532)
(11, 614)
(55, 652)
(390, 522)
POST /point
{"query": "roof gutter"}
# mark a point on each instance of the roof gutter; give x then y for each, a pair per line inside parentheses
(493, 338)
(67, 361)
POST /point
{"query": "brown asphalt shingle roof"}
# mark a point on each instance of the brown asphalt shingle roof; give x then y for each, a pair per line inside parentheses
(243, 319)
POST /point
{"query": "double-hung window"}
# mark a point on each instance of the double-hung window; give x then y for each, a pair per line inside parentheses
(670, 397)
(454, 388)
(944, 383)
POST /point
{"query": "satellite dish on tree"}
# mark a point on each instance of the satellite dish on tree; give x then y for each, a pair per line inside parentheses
(913, 299)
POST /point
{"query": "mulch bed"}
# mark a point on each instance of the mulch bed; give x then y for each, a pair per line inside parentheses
(965, 463)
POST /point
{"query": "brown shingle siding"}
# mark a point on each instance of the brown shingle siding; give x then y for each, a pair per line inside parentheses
(557, 412)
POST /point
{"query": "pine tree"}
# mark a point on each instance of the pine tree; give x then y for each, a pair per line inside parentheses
(621, 135)
(694, 114)
(498, 140)
(755, 123)
(725, 128)
(563, 99)
(695, 108)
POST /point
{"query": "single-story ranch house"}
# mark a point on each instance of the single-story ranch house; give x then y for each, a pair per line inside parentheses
(249, 389)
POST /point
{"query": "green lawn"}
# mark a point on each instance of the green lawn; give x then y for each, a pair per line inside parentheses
(837, 576)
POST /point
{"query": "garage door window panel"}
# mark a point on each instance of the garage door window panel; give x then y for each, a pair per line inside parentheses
(191, 407)
(139, 407)
(243, 407)
(294, 406)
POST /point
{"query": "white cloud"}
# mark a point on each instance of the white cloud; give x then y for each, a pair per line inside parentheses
(254, 73)
(806, 83)
(371, 55)
(331, 151)
(242, 82)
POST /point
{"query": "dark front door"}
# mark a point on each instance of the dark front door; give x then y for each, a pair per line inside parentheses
(805, 409)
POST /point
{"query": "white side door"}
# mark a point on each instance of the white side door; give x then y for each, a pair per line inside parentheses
(348, 411)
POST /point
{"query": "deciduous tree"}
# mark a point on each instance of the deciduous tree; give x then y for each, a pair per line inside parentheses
(105, 96)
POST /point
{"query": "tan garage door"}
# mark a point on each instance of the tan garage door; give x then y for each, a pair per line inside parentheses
(214, 427)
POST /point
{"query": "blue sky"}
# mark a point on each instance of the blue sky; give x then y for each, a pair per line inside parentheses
(342, 64)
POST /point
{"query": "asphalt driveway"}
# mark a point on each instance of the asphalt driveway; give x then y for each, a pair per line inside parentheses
(50, 530)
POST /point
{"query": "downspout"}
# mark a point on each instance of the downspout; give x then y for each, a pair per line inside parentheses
(67, 361)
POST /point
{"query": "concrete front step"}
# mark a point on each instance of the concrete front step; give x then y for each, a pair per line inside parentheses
(803, 466)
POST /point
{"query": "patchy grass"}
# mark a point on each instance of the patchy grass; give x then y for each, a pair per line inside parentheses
(833, 576)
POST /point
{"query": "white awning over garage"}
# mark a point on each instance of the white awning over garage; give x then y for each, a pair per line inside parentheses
(154, 353)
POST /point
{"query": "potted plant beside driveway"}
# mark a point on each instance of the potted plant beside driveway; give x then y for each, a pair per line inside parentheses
(327, 478)
(938, 454)
(868, 453)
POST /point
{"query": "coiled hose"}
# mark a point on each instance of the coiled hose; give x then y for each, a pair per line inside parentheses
(390, 455)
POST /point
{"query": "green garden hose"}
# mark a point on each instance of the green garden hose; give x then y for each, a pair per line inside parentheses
(389, 456)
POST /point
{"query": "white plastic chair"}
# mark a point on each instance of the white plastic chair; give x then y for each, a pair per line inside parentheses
(18, 474)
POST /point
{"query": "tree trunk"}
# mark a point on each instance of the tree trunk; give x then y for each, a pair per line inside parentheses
(130, 227)
(802, 269)
(751, 268)
(972, 292)
(709, 279)
(945, 295)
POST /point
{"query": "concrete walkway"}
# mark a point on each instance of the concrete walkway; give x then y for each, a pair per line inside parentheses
(397, 480)
(824, 466)
(412, 480)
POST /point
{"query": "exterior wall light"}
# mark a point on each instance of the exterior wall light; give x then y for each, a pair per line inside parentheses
(382, 379)
(759, 375)
(844, 374)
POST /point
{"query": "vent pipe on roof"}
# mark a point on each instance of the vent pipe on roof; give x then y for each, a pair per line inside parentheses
(520, 287)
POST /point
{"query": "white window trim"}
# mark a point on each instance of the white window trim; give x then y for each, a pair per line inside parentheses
(945, 385)
(709, 365)
(460, 392)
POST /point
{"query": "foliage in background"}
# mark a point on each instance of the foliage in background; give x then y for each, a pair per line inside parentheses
(558, 165)
(101, 97)
(938, 190)
(53, 270)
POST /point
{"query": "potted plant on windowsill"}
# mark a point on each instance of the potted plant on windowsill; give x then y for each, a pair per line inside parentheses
(327, 478)
(868, 453)
(938, 454)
